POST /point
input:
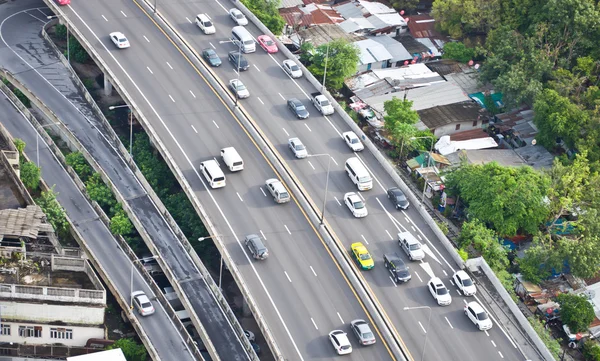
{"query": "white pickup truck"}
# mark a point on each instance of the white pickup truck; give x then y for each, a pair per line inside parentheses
(322, 104)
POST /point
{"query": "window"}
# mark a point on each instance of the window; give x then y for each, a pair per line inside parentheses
(30, 331)
(475, 123)
(5, 329)
(61, 333)
(457, 127)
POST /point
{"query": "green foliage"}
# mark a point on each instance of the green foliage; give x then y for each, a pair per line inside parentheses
(306, 52)
(591, 350)
(341, 63)
(549, 341)
(575, 311)
(131, 349)
(443, 227)
(30, 175)
(77, 161)
(490, 105)
(474, 233)
(507, 281)
(463, 17)
(458, 51)
(463, 254)
(100, 193)
(404, 4)
(54, 212)
(20, 145)
(508, 199)
(399, 123)
(61, 31)
(539, 260)
(184, 213)
(88, 84)
(267, 12)
(77, 52)
(120, 223)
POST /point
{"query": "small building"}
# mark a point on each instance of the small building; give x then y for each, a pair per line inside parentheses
(451, 118)
(382, 20)
(372, 55)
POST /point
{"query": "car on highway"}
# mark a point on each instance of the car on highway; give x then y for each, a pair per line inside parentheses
(297, 108)
(363, 332)
(277, 190)
(464, 283)
(238, 60)
(362, 256)
(63, 2)
(356, 205)
(238, 88)
(398, 198)
(353, 141)
(396, 267)
(211, 57)
(267, 44)
(290, 67)
(250, 335)
(204, 23)
(142, 303)
(410, 246)
(478, 316)
(439, 292)
(296, 146)
(119, 39)
(257, 248)
(339, 340)
(237, 16)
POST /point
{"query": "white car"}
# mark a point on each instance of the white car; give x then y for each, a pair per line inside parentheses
(142, 303)
(238, 17)
(297, 148)
(478, 316)
(439, 291)
(239, 89)
(119, 39)
(339, 340)
(355, 205)
(353, 142)
(290, 67)
(464, 283)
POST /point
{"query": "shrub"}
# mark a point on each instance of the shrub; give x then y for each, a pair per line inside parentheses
(61, 31)
(591, 351)
(443, 227)
(548, 340)
(463, 254)
(77, 161)
(54, 212)
(30, 175)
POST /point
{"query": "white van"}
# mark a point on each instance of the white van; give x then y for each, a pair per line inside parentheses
(359, 174)
(204, 23)
(213, 173)
(232, 159)
(239, 35)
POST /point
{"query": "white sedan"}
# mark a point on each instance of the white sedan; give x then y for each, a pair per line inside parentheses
(355, 205)
(439, 291)
(352, 141)
(290, 67)
(239, 89)
(478, 316)
(464, 283)
(339, 340)
(119, 39)
(142, 303)
(238, 17)
(297, 148)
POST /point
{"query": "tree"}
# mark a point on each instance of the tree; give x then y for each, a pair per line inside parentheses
(267, 12)
(591, 350)
(575, 311)
(407, 5)
(539, 260)
(485, 241)
(341, 63)
(458, 51)
(55, 214)
(30, 175)
(131, 349)
(20, 145)
(100, 193)
(463, 17)
(120, 223)
(399, 122)
(77, 161)
(557, 117)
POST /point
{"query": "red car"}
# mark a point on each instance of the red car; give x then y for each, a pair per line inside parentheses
(268, 44)
(63, 2)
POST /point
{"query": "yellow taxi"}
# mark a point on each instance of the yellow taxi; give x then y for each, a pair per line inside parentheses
(362, 255)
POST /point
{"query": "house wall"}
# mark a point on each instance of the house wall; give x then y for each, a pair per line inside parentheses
(40, 334)
(451, 128)
(46, 313)
(377, 65)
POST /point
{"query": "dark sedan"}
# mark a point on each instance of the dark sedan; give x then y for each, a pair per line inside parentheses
(211, 57)
(398, 198)
(297, 108)
(237, 59)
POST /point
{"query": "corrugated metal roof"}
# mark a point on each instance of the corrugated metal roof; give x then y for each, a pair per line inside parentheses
(356, 24)
(23, 222)
(381, 21)
(435, 117)
(373, 8)
(433, 50)
(349, 10)
(289, 3)
(397, 50)
(371, 51)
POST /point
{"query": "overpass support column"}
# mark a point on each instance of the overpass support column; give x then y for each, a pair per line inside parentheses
(107, 86)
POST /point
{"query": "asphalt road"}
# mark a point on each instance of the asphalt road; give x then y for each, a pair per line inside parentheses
(194, 125)
(160, 330)
(25, 54)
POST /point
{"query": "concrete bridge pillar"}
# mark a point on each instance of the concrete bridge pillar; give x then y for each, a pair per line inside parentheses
(107, 86)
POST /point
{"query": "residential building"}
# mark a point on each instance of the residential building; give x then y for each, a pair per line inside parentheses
(451, 118)
(381, 19)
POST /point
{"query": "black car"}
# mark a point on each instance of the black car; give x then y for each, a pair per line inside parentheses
(211, 57)
(236, 58)
(398, 198)
(297, 108)
(396, 267)
(256, 247)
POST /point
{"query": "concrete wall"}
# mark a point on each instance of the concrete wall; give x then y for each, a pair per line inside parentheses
(45, 313)
(80, 334)
(451, 128)
(53, 294)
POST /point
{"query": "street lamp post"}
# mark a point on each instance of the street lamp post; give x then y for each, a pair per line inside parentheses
(238, 67)
(221, 265)
(326, 182)
(37, 142)
(68, 48)
(131, 279)
(325, 71)
(426, 329)
(113, 107)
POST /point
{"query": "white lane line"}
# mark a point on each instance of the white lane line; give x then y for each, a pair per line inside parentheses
(445, 274)
(171, 98)
(263, 235)
(188, 19)
(493, 343)
(313, 321)
(211, 44)
(194, 95)
(361, 197)
(125, 15)
(413, 228)
(224, 8)
(215, 123)
(264, 194)
(285, 131)
(337, 200)
(260, 101)
(449, 324)
(208, 16)
(288, 277)
(146, 38)
(419, 277)
(451, 282)
(150, 70)
(420, 239)
(313, 271)
(496, 322)
(500, 353)
(408, 221)
(458, 291)
(364, 239)
(336, 163)
(486, 333)
(393, 282)
(312, 166)
(306, 125)
(169, 65)
(104, 17)
(256, 67)
(340, 316)
(422, 328)
(389, 235)
(194, 129)
(287, 229)
(240, 197)
(281, 96)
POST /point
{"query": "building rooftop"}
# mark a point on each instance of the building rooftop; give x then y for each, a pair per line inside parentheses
(388, 20)
(354, 25)
(23, 222)
(372, 51)
(446, 147)
(423, 26)
(396, 50)
(504, 157)
(437, 116)
(289, 3)
(324, 33)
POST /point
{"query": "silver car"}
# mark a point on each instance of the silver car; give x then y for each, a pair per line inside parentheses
(142, 303)
(290, 67)
(239, 89)
(296, 146)
(363, 332)
(256, 247)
